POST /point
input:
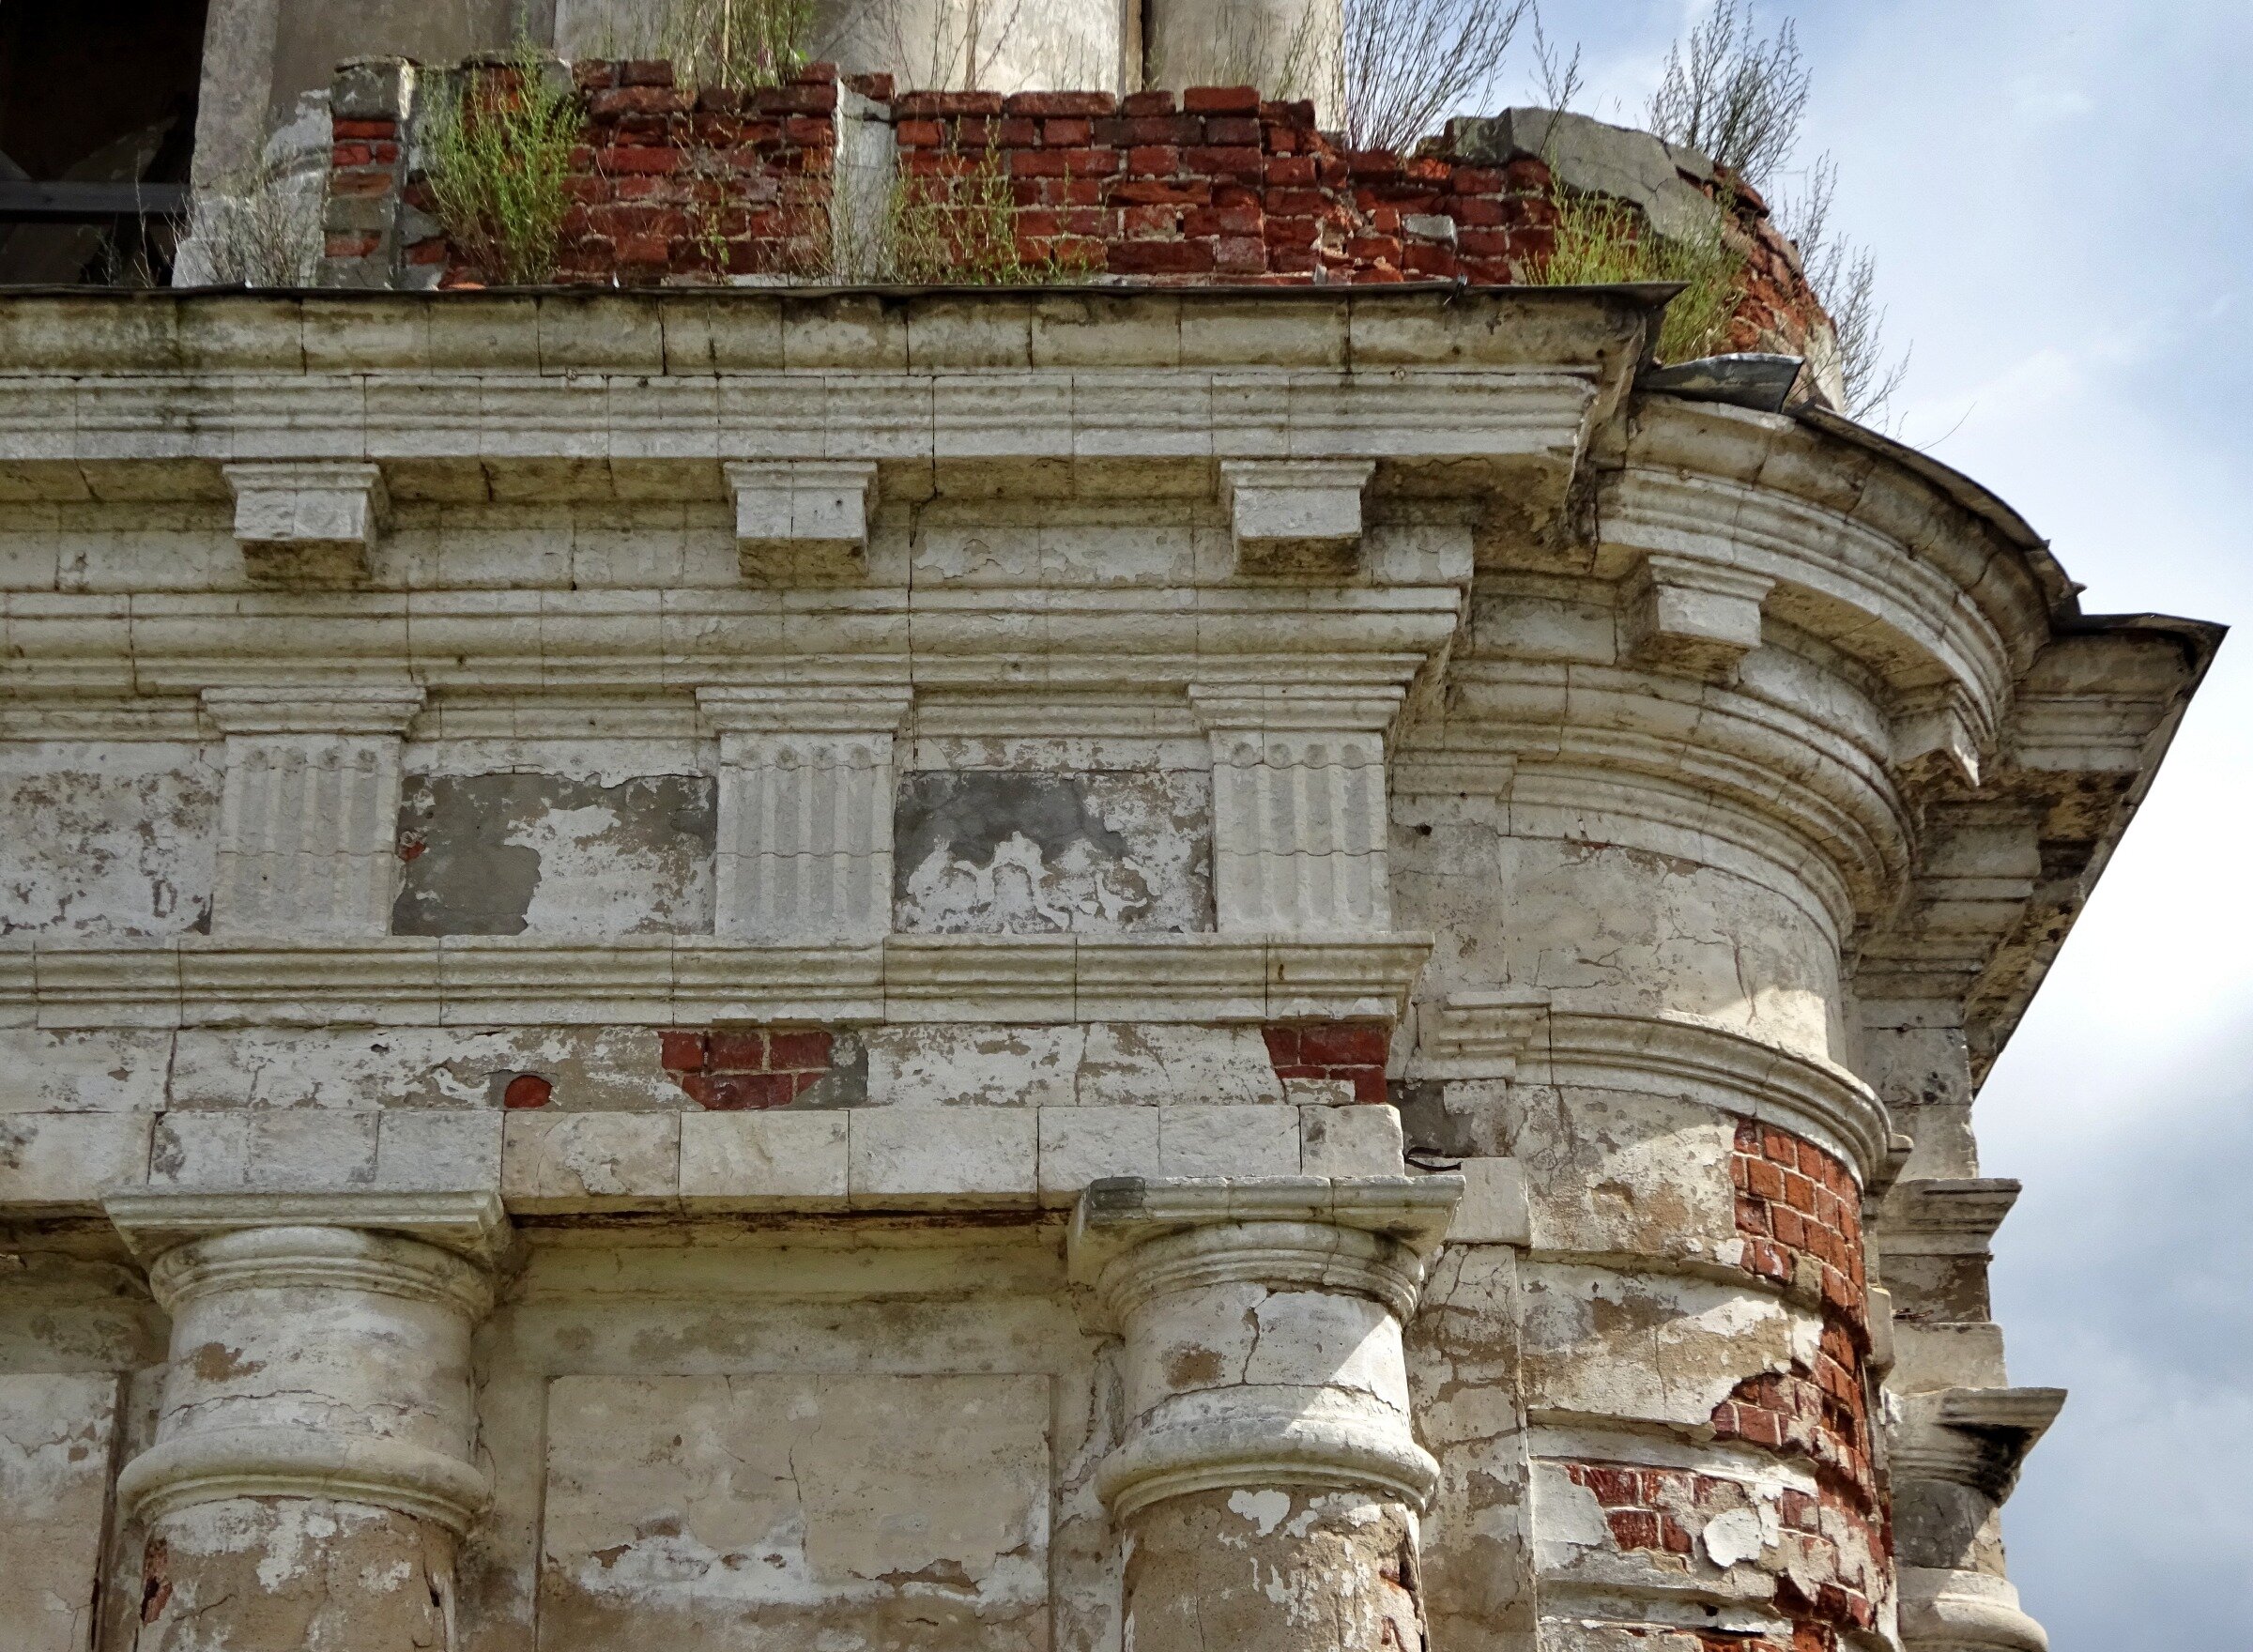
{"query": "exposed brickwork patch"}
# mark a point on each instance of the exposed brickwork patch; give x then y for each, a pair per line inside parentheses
(1797, 1206)
(1353, 1051)
(734, 1069)
(1825, 1558)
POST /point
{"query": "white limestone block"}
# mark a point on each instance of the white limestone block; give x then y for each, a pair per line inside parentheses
(1359, 1141)
(56, 1434)
(762, 1161)
(558, 1162)
(303, 1148)
(1493, 1210)
(733, 1510)
(1080, 1144)
(427, 1150)
(67, 1161)
(1199, 1141)
(957, 1156)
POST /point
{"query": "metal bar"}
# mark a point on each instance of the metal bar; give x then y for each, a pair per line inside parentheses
(24, 201)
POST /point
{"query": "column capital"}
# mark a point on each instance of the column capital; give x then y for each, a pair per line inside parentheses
(1305, 707)
(470, 1225)
(348, 1318)
(1377, 1233)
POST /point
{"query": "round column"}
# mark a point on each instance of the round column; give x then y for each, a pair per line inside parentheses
(311, 1470)
(1268, 1486)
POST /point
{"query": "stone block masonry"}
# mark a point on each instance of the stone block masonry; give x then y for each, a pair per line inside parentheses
(1299, 967)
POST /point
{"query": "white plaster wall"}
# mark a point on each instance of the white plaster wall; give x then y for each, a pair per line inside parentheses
(811, 1370)
(106, 839)
(56, 1438)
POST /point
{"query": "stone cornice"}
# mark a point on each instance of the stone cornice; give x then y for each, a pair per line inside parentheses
(485, 981)
(66, 647)
(1816, 1099)
(692, 332)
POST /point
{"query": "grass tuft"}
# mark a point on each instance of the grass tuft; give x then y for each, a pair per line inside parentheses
(1601, 243)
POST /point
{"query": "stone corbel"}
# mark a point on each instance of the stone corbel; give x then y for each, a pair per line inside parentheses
(1973, 1437)
(307, 522)
(1299, 808)
(806, 791)
(1296, 518)
(1680, 614)
(803, 521)
(309, 812)
(1938, 734)
(1944, 1216)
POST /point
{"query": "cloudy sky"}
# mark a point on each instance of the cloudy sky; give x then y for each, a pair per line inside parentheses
(2061, 196)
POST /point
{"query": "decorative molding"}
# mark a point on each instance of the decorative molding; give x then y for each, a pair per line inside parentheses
(313, 709)
(475, 981)
(803, 521)
(1687, 615)
(1477, 1034)
(1814, 1099)
(307, 522)
(1296, 518)
(806, 792)
(309, 810)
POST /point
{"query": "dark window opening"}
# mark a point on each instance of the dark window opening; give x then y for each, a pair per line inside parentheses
(97, 126)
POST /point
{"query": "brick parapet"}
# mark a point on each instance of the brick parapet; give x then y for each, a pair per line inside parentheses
(1214, 186)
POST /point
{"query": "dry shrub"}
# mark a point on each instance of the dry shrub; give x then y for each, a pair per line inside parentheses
(740, 45)
(1738, 96)
(1409, 63)
(496, 158)
(959, 229)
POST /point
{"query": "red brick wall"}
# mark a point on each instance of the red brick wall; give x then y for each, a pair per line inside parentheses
(1220, 185)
